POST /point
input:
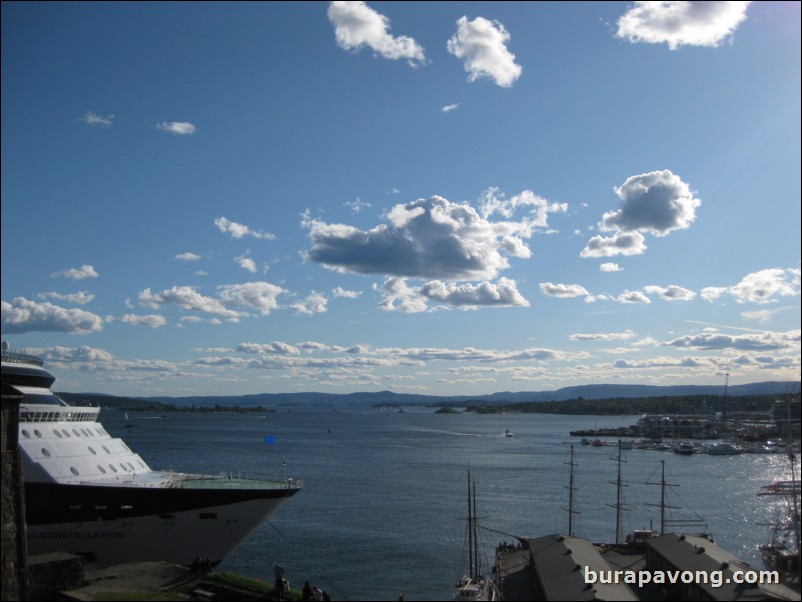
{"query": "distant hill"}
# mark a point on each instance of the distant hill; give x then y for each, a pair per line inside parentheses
(389, 398)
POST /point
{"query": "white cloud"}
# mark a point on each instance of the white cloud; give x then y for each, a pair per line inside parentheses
(79, 298)
(482, 45)
(504, 293)
(357, 206)
(759, 287)
(276, 347)
(657, 202)
(339, 292)
(400, 297)
(604, 336)
(428, 238)
(257, 295)
(23, 316)
(610, 267)
(94, 119)
(153, 320)
(246, 263)
(701, 23)
(315, 303)
(763, 341)
(357, 25)
(620, 243)
(180, 128)
(85, 271)
(633, 297)
(449, 108)
(187, 257)
(186, 298)
(563, 291)
(670, 293)
(239, 230)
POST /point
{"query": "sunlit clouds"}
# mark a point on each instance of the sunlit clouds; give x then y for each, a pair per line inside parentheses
(482, 45)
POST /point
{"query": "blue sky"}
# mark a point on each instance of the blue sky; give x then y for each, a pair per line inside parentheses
(443, 198)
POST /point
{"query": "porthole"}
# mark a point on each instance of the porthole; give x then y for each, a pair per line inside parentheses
(26, 434)
(66, 432)
(74, 470)
(101, 469)
(106, 449)
(92, 449)
(112, 468)
(37, 433)
(58, 433)
(45, 452)
(76, 433)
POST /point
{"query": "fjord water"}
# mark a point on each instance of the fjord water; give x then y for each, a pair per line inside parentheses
(384, 504)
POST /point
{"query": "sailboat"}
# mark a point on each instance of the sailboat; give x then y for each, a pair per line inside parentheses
(474, 585)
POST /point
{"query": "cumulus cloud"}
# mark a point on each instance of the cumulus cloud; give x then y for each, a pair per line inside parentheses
(670, 293)
(715, 340)
(262, 296)
(398, 296)
(276, 347)
(339, 292)
(153, 320)
(79, 298)
(314, 303)
(482, 46)
(658, 202)
(85, 271)
(633, 297)
(246, 263)
(180, 128)
(239, 230)
(620, 243)
(503, 293)
(759, 287)
(701, 23)
(610, 267)
(563, 291)
(187, 257)
(94, 119)
(186, 298)
(428, 238)
(22, 315)
(357, 25)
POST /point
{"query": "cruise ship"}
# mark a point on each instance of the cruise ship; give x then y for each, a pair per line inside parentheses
(87, 493)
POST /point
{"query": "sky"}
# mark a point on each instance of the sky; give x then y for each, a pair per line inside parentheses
(443, 198)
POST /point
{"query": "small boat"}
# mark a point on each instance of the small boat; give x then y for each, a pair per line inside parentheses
(507, 433)
(684, 448)
(724, 449)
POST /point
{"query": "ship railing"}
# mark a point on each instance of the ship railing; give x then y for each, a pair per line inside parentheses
(16, 357)
(200, 481)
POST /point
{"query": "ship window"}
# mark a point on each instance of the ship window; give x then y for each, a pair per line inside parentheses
(98, 432)
(123, 467)
(76, 433)
(37, 433)
(74, 470)
(66, 432)
(45, 452)
(26, 434)
(112, 468)
(106, 449)
(140, 464)
(92, 449)
(86, 433)
(101, 469)
(58, 434)
(208, 515)
(131, 466)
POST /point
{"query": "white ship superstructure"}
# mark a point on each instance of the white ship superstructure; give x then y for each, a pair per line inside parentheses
(87, 493)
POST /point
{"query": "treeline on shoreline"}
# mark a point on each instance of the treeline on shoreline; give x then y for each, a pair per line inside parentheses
(691, 404)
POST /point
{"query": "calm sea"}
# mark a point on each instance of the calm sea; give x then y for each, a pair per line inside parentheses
(384, 506)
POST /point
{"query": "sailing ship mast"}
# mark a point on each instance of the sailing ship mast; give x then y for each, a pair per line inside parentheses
(571, 489)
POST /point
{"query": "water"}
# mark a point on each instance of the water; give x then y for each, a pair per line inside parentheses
(384, 506)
